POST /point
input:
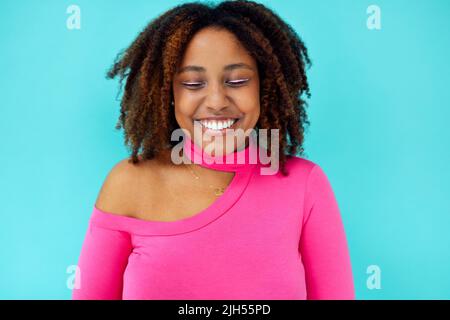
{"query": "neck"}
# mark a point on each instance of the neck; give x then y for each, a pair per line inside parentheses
(238, 160)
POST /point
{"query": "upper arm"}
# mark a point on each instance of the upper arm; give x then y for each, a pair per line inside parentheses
(323, 243)
(104, 254)
(102, 263)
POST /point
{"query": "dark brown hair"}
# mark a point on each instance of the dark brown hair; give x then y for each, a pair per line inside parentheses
(150, 62)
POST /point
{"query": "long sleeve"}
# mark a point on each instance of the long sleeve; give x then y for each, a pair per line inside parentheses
(103, 259)
(323, 244)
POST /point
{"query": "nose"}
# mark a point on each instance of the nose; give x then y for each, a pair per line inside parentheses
(216, 99)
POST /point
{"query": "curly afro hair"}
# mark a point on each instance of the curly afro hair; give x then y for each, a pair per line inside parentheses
(150, 62)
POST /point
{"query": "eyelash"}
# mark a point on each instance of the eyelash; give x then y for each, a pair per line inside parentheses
(196, 85)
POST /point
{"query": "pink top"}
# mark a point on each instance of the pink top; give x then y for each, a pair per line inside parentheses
(267, 237)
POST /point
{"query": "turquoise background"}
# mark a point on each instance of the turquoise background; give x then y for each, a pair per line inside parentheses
(379, 116)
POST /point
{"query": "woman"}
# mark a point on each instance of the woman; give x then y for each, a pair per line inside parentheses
(161, 229)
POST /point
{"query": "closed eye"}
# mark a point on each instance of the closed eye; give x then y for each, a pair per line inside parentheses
(192, 85)
(197, 85)
(237, 83)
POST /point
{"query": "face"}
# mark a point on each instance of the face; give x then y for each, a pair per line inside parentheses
(216, 91)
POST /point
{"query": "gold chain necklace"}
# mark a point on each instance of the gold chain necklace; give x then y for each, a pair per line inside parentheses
(218, 191)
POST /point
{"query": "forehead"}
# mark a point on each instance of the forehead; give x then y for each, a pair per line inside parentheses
(215, 47)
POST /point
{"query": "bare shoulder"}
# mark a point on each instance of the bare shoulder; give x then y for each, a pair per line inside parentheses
(125, 184)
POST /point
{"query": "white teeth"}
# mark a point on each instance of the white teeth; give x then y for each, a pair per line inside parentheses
(217, 124)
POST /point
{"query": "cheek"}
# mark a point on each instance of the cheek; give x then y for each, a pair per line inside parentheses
(184, 108)
(250, 105)
(183, 117)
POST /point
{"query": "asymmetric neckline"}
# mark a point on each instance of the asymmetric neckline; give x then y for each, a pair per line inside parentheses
(243, 166)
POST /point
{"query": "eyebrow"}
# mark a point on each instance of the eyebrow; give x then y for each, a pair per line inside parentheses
(226, 68)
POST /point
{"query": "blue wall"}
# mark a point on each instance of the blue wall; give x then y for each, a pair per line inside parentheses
(378, 111)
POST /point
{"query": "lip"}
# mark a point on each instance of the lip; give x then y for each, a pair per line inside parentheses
(217, 118)
(221, 131)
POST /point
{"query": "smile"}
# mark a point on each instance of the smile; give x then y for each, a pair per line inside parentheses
(217, 125)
